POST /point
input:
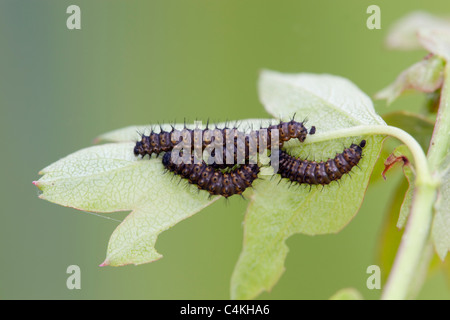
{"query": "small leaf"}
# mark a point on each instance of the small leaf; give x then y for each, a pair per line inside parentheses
(109, 178)
(329, 102)
(347, 294)
(432, 100)
(403, 34)
(436, 40)
(424, 76)
(440, 231)
(401, 154)
(391, 160)
(279, 209)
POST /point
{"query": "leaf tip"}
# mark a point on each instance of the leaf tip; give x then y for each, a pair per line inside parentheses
(37, 184)
(98, 139)
(104, 263)
(393, 159)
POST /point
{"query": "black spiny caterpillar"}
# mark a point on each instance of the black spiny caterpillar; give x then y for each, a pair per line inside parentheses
(206, 177)
(323, 172)
(218, 139)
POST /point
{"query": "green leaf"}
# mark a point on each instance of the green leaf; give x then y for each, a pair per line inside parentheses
(329, 102)
(347, 294)
(279, 209)
(440, 231)
(109, 178)
(424, 76)
(403, 34)
(436, 40)
(401, 154)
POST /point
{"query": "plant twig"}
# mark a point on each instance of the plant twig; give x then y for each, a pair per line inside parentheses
(417, 230)
(412, 247)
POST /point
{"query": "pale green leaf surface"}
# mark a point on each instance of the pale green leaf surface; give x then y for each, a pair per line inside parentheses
(403, 34)
(329, 102)
(424, 76)
(436, 40)
(279, 209)
(109, 178)
(440, 231)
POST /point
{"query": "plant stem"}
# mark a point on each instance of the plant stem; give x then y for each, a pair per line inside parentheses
(440, 142)
(421, 163)
(417, 229)
(412, 247)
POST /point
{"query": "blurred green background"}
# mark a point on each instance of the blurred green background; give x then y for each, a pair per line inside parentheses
(142, 62)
